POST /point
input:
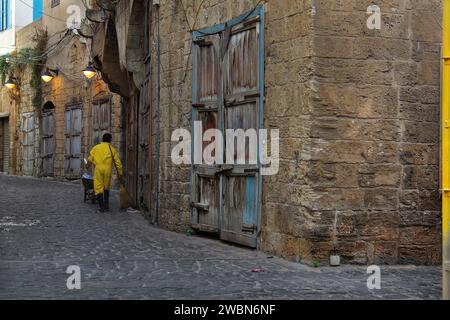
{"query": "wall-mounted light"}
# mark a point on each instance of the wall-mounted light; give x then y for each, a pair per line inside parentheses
(49, 74)
(11, 83)
(89, 72)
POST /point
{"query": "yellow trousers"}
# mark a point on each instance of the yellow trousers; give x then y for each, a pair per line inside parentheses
(102, 156)
(102, 179)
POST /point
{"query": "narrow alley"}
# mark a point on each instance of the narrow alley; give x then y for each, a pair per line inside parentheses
(45, 227)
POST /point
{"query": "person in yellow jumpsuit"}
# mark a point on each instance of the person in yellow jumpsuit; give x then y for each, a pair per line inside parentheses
(102, 157)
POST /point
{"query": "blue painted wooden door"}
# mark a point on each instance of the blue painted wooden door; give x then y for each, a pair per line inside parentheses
(228, 95)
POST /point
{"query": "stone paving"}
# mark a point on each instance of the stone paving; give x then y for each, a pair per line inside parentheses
(45, 227)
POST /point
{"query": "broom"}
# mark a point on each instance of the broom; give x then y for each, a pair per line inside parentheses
(124, 196)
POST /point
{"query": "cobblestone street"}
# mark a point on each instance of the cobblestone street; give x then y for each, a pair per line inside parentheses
(45, 227)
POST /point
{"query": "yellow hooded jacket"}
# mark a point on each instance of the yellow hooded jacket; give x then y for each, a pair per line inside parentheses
(101, 157)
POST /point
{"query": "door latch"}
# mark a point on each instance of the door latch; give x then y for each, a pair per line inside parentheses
(200, 206)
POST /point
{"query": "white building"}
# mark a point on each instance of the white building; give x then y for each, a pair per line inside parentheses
(15, 14)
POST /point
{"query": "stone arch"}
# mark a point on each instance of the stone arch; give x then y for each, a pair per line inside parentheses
(109, 63)
(135, 41)
(135, 36)
(49, 105)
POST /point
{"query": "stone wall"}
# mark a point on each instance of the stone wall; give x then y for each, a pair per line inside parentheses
(7, 106)
(71, 56)
(10, 100)
(374, 149)
(287, 69)
(288, 66)
(69, 88)
(358, 113)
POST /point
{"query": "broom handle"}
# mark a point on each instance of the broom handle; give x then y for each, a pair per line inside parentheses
(114, 161)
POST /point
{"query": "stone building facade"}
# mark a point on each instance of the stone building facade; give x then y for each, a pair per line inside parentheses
(7, 117)
(52, 138)
(357, 110)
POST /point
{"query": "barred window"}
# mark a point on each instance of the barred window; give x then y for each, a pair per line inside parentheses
(5, 15)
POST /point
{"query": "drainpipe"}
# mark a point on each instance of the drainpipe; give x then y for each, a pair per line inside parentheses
(446, 150)
(158, 119)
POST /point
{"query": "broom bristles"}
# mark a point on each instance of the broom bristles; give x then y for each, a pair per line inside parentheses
(125, 198)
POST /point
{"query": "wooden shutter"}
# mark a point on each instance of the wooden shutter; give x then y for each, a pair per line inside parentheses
(73, 119)
(47, 142)
(1, 145)
(241, 111)
(28, 143)
(205, 193)
(101, 121)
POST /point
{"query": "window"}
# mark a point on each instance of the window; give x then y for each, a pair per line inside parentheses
(27, 129)
(47, 139)
(38, 9)
(5, 15)
(72, 153)
(101, 120)
(55, 3)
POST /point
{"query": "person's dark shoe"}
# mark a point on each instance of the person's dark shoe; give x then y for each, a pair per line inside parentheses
(101, 203)
(106, 199)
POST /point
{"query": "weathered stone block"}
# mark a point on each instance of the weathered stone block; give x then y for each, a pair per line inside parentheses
(409, 199)
(354, 71)
(420, 132)
(381, 198)
(418, 154)
(378, 48)
(419, 112)
(355, 101)
(419, 254)
(339, 199)
(379, 175)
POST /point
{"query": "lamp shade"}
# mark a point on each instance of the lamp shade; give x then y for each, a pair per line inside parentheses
(89, 72)
(47, 76)
(10, 84)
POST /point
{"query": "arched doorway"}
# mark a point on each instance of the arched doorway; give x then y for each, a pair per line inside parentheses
(48, 139)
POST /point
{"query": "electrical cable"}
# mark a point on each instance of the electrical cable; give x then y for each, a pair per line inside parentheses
(43, 13)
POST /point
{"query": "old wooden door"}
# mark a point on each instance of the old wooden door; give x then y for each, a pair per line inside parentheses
(101, 121)
(27, 128)
(144, 142)
(47, 141)
(5, 142)
(242, 98)
(3, 146)
(73, 119)
(228, 93)
(206, 182)
(132, 148)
